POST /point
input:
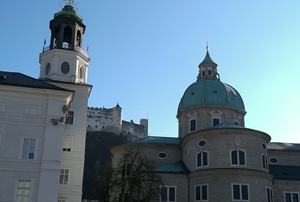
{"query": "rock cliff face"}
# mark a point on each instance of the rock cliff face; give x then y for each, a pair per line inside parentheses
(97, 155)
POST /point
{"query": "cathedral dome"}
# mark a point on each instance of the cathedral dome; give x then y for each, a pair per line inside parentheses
(209, 90)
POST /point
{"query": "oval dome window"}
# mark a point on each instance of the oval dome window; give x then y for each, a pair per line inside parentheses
(273, 160)
(162, 155)
(202, 143)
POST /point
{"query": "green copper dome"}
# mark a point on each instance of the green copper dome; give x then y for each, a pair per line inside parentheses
(68, 12)
(209, 90)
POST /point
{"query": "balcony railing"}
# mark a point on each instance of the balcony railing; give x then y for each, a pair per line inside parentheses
(67, 47)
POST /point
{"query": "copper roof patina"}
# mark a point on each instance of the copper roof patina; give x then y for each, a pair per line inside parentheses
(178, 167)
(157, 141)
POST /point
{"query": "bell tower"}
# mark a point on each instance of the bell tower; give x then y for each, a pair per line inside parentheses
(64, 59)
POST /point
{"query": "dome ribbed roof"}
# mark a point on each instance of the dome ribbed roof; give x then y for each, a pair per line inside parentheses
(68, 12)
(211, 92)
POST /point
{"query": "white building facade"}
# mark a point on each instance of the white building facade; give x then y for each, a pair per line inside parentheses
(43, 121)
(110, 120)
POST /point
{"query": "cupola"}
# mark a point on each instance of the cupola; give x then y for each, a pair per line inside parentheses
(208, 101)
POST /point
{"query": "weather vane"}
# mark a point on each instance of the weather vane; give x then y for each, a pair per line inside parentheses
(68, 3)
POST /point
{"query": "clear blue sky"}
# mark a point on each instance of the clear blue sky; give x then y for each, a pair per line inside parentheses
(144, 54)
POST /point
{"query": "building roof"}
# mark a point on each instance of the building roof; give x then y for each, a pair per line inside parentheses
(22, 80)
(283, 146)
(207, 59)
(224, 125)
(178, 167)
(154, 140)
(211, 92)
(282, 172)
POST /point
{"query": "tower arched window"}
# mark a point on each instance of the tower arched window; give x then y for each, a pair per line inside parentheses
(78, 39)
(202, 159)
(67, 36)
(48, 67)
(238, 157)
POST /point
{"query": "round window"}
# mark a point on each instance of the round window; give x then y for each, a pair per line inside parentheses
(162, 155)
(48, 67)
(264, 146)
(273, 160)
(202, 143)
(65, 68)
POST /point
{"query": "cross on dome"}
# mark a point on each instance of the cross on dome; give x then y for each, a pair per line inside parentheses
(207, 47)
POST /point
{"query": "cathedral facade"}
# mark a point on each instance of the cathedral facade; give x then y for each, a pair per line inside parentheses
(215, 157)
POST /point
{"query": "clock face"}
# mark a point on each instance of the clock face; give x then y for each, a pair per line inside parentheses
(48, 67)
(65, 68)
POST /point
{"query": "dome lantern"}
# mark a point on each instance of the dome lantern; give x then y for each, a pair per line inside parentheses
(207, 68)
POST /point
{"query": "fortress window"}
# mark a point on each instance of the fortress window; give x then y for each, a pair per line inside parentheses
(202, 159)
(201, 192)
(238, 157)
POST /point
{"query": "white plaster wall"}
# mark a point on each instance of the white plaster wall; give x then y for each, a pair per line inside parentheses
(16, 122)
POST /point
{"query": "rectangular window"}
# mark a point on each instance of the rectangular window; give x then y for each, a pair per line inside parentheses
(168, 193)
(216, 122)
(264, 159)
(28, 148)
(238, 157)
(64, 176)
(61, 200)
(202, 159)
(70, 117)
(291, 197)
(201, 192)
(23, 191)
(192, 125)
(240, 192)
(269, 195)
